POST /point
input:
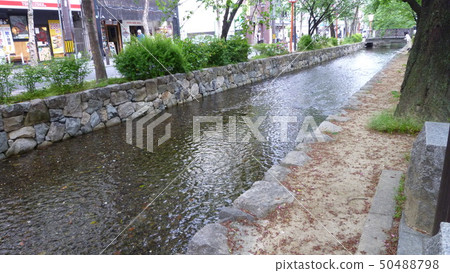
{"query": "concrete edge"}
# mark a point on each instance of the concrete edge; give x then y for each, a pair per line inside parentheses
(381, 213)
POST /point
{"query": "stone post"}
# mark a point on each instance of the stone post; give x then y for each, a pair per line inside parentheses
(424, 176)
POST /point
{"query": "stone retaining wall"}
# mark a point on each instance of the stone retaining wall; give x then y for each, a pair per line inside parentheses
(41, 122)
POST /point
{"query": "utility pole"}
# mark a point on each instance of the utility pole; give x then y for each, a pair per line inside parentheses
(292, 23)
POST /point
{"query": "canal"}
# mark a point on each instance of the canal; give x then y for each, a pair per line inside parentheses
(77, 196)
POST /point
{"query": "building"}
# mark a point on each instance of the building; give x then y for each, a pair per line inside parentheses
(59, 28)
(48, 29)
(198, 20)
(120, 19)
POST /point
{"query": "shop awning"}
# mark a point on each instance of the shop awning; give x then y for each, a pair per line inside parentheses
(38, 5)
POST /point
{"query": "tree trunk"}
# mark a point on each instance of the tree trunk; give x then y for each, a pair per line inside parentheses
(228, 20)
(89, 17)
(346, 28)
(332, 31)
(31, 40)
(425, 92)
(353, 29)
(145, 18)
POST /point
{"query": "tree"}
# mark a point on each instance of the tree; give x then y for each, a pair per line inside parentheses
(89, 19)
(425, 91)
(31, 40)
(323, 10)
(145, 18)
(231, 9)
(391, 14)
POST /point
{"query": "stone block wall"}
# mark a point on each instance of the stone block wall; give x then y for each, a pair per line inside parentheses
(424, 176)
(41, 122)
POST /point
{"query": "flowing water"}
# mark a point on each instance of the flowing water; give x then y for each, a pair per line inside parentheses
(77, 196)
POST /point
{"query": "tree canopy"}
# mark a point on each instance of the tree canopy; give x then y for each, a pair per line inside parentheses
(391, 14)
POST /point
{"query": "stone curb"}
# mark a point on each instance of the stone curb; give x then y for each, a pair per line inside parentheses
(380, 216)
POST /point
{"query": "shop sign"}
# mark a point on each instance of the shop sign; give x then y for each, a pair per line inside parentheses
(56, 36)
(39, 5)
(19, 27)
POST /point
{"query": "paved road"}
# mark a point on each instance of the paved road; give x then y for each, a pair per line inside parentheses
(110, 70)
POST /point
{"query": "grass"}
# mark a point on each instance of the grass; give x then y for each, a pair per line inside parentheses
(53, 91)
(400, 198)
(407, 157)
(262, 56)
(388, 123)
(395, 94)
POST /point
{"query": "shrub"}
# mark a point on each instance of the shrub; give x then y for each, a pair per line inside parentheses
(306, 43)
(217, 49)
(320, 42)
(357, 38)
(67, 72)
(334, 41)
(31, 75)
(150, 57)
(222, 52)
(268, 50)
(5, 84)
(387, 122)
(237, 49)
(195, 54)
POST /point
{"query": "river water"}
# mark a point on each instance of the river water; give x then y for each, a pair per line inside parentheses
(79, 196)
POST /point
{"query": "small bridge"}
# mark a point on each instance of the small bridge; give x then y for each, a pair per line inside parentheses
(388, 37)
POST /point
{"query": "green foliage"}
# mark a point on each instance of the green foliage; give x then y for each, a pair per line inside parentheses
(269, 50)
(5, 84)
(355, 38)
(196, 54)
(395, 94)
(390, 14)
(306, 43)
(387, 122)
(238, 49)
(217, 49)
(31, 75)
(400, 198)
(334, 41)
(213, 51)
(67, 72)
(316, 42)
(320, 42)
(150, 57)
(53, 91)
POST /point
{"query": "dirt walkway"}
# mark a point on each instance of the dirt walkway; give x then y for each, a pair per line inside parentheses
(335, 189)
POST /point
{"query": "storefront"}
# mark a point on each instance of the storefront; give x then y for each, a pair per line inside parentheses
(112, 36)
(48, 30)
